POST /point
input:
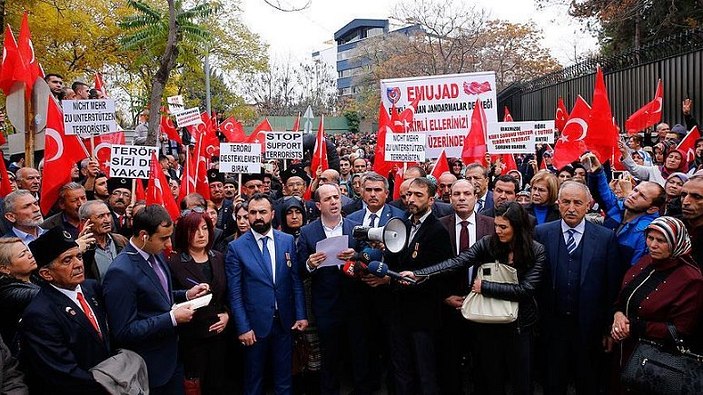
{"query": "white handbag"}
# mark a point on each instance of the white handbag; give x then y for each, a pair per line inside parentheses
(487, 310)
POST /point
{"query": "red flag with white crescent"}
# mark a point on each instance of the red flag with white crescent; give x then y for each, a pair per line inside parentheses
(441, 166)
(688, 144)
(570, 145)
(61, 152)
(158, 191)
(561, 115)
(602, 137)
(474, 150)
(27, 56)
(169, 128)
(258, 135)
(233, 130)
(103, 146)
(649, 115)
(507, 117)
(11, 63)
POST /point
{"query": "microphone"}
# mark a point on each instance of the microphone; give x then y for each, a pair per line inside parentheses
(367, 255)
(380, 269)
(350, 269)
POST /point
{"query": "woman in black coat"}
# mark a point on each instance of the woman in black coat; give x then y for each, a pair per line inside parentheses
(504, 352)
(17, 286)
(203, 341)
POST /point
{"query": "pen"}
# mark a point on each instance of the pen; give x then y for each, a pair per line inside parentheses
(190, 280)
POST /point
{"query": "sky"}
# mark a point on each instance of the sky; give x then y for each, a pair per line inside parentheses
(294, 36)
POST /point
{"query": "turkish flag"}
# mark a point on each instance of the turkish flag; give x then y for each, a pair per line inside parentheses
(102, 149)
(61, 152)
(26, 51)
(560, 115)
(649, 115)
(296, 124)
(139, 192)
(602, 136)
(474, 150)
(5, 187)
(198, 169)
(507, 117)
(233, 130)
(401, 122)
(258, 135)
(319, 154)
(210, 144)
(441, 166)
(508, 162)
(688, 144)
(380, 165)
(11, 62)
(543, 164)
(168, 128)
(99, 84)
(158, 192)
(570, 145)
(397, 180)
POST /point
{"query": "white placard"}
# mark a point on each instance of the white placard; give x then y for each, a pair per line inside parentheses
(284, 145)
(445, 106)
(544, 131)
(240, 158)
(188, 117)
(89, 117)
(131, 161)
(175, 104)
(510, 138)
(405, 147)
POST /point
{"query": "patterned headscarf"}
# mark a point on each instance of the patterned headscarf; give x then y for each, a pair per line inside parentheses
(675, 233)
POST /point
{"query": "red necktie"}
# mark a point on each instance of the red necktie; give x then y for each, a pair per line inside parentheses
(464, 236)
(89, 313)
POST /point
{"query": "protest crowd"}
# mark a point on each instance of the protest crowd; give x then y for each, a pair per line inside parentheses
(177, 277)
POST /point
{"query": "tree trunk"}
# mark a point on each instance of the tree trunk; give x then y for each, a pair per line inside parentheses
(167, 63)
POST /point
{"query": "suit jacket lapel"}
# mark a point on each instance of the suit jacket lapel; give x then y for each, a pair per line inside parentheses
(256, 252)
(452, 233)
(556, 238)
(74, 312)
(588, 244)
(145, 267)
(280, 255)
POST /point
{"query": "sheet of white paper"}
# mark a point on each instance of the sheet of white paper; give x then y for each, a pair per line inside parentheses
(196, 303)
(332, 246)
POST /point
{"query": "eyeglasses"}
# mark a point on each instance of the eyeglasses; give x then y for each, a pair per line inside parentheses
(196, 209)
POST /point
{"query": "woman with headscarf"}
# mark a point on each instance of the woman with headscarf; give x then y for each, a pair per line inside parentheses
(664, 287)
(674, 161)
(672, 187)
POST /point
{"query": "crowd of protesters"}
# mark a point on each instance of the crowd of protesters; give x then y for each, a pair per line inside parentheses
(95, 295)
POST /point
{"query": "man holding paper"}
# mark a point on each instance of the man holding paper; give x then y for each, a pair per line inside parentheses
(139, 297)
(267, 298)
(333, 304)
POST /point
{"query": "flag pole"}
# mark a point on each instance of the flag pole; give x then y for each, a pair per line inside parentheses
(28, 130)
(134, 191)
(239, 183)
(189, 165)
(92, 146)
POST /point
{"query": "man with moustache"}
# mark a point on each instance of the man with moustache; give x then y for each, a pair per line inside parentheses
(267, 297)
(28, 178)
(71, 197)
(63, 331)
(96, 215)
(23, 212)
(465, 227)
(225, 219)
(692, 213)
(120, 190)
(416, 310)
(444, 186)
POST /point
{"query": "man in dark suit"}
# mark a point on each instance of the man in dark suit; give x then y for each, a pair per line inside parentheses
(225, 220)
(478, 175)
(465, 227)
(439, 209)
(138, 299)
(120, 190)
(581, 280)
(267, 297)
(416, 310)
(333, 304)
(63, 330)
(71, 197)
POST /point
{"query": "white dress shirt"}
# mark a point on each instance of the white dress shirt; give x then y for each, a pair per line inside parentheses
(580, 228)
(472, 230)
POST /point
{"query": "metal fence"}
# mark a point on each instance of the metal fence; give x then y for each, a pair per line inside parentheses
(631, 78)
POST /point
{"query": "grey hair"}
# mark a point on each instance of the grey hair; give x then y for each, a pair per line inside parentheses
(374, 177)
(71, 186)
(577, 184)
(11, 199)
(87, 208)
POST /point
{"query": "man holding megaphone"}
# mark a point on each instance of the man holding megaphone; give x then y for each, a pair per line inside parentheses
(416, 310)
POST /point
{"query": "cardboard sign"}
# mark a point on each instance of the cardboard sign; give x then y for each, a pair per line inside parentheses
(240, 158)
(175, 104)
(405, 147)
(89, 117)
(284, 145)
(188, 117)
(131, 161)
(544, 131)
(510, 138)
(445, 106)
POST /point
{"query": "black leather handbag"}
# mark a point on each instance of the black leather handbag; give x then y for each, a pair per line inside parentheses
(656, 369)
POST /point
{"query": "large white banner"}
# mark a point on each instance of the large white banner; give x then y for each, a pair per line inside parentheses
(445, 106)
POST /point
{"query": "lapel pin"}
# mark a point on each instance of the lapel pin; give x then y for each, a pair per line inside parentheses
(417, 246)
(288, 262)
(70, 311)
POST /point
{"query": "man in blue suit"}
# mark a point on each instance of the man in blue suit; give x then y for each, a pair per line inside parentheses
(63, 330)
(266, 295)
(138, 298)
(333, 304)
(581, 281)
